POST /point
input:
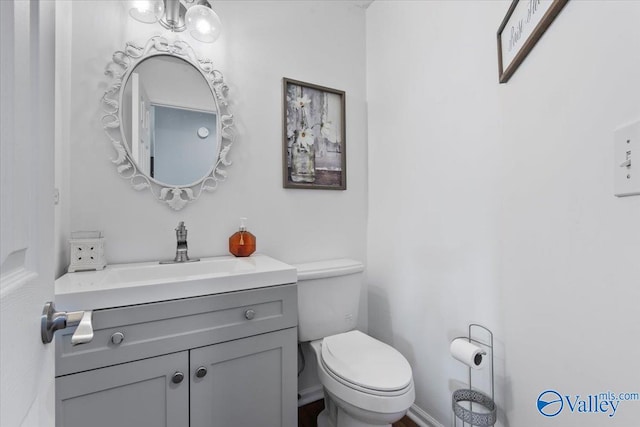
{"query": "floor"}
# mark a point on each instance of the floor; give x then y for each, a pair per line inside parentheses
(307, 416)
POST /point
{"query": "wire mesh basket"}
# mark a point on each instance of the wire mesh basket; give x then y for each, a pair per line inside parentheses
(486, 417)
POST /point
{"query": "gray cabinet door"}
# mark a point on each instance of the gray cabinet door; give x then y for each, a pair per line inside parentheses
(135, 394)
(249, 382)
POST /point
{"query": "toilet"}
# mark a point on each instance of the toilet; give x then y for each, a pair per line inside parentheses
(366, 382)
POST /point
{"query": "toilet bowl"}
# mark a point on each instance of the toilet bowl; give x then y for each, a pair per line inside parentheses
(376, 391)
(366, 382)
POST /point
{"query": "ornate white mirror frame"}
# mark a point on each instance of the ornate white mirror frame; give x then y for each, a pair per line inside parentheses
(123, 63)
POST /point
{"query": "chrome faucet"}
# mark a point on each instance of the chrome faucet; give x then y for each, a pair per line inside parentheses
(182, 248)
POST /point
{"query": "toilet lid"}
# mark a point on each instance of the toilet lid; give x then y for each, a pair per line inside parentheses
(359, 359)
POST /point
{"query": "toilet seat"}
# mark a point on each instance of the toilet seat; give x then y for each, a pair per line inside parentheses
(348, 385)
(366, 364)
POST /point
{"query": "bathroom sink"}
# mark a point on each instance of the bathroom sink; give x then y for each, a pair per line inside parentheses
(127, 284)
(208, 267)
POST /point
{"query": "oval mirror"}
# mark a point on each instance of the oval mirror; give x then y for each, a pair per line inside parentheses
(174, 132)
(165, 104)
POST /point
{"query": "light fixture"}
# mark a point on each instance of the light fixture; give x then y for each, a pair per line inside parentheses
(203, 23)
(180, 15)
(147, 11)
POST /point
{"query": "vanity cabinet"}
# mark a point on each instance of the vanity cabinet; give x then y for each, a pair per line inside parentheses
(214, 360)
(243, 382)
(140, 394)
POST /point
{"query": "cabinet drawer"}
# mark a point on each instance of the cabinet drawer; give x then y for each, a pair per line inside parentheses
(153, 329)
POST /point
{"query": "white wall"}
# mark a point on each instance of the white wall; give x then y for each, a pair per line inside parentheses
(434, 141)
(262, 42)
(61, 149)
(570, 249)
(494, 203)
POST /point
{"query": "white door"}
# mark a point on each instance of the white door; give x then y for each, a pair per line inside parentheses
(140, 123)
(26, 210)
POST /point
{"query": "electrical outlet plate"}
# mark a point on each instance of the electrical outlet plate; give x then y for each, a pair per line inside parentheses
(626, 168)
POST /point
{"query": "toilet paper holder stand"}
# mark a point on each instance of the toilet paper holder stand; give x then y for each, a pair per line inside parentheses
(463, 400)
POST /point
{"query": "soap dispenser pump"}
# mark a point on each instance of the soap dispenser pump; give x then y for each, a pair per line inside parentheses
(242, 243)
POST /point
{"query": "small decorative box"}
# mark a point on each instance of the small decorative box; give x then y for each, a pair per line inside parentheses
(87, 251)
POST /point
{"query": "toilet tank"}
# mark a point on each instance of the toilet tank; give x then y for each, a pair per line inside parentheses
(328, 297)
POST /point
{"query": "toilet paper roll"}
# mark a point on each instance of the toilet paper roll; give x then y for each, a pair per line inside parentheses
(468, 353)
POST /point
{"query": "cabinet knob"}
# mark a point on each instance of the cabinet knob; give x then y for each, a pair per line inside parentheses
(201, 372)
(249, 314)
(177, 378)
(117, 338)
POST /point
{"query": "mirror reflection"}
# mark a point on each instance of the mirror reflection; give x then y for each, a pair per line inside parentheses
(169, 121)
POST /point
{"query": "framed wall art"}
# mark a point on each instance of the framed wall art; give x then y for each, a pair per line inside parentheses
(526, 21)
(313, 133)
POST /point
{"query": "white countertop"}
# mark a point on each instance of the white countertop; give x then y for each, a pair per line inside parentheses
(128, 284)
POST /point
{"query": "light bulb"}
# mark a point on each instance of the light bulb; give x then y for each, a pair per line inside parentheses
(203, 26)
(147, 11)
(203, 23)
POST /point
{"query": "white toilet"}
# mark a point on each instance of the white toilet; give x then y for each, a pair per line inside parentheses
(366, 382)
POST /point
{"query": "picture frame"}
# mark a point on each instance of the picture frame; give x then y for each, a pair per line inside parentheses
(314, 152)
(524, 24)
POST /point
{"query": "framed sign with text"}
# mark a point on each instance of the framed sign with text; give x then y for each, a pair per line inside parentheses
(525, 22)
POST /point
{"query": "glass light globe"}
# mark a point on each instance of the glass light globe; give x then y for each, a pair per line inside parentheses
(203, 23)
(147, 11)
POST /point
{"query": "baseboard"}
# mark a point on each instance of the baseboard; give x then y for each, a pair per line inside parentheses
(422, 418)
(310, 394)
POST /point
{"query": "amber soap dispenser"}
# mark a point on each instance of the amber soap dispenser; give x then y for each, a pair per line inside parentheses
(242, 243)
